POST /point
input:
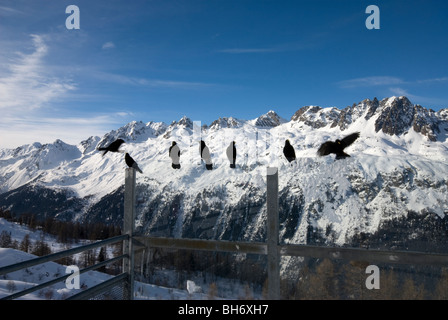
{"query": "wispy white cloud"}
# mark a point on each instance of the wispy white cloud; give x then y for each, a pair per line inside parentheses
(386, 81)
(28, 84)
(124, 113)
(284, 47)
(16, 131)
(144, 82)
(9, 10)
(32, 102)
(399, 87)
(433, 80)
(398, 91)
(108, 45)
(370, 81)
(312, 41)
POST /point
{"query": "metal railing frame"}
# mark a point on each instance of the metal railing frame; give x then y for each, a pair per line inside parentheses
(126, 277)
(272, 248)
(64, 254)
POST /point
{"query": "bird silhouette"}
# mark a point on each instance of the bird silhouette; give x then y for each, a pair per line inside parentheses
(288, 151)
(337, 147)
(231, 154)
(113, 147)
(131, 163)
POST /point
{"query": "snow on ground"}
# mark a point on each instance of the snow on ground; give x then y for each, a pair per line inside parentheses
(31, 276)
(194, 289)
(18, 232)
(28, 277)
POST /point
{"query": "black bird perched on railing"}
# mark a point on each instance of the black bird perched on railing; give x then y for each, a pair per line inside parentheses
(337, 147)
(288, 151)
(113, 147)
(131, 163)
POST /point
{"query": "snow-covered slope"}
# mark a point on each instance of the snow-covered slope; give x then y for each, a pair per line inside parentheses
(22, 279)
(398, 165)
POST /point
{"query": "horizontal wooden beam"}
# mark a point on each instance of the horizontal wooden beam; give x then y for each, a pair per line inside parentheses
(199, 244)
(349, 254)
(367, 255)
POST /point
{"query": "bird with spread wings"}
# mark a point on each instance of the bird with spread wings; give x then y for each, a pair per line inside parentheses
(337, 147)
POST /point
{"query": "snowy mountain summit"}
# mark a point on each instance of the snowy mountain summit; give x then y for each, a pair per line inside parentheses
(392, 191)
(392, 116)
(270, 119)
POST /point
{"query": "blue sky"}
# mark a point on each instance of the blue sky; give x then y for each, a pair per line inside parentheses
(163, 59)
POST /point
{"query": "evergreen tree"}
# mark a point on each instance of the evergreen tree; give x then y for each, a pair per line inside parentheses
(102, 256)
(41, 248)
(11, 286)
(5, 239)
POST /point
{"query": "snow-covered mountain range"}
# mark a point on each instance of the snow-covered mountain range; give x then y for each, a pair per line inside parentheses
(393, 191)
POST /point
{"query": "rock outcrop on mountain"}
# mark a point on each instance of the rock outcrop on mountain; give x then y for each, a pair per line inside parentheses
(270, 119)
(392, 116)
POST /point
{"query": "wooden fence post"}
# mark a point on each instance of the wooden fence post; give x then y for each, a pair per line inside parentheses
(273, 234)
(128, 228)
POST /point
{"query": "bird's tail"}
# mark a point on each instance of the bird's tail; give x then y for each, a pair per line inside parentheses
(103, 149)
(135, 166)
(342, 155)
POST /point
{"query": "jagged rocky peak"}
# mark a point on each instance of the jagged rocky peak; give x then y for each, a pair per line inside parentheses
(135, 131)
(88, 145)
(157, 128)
(60, 145)
(316, 117)
(395, 115)
(185, 122)
(427, 123)
(298, 115)
(270, 119)
(225, 122)
(23, 150)
(127, 132)
(366, 108)
(371, 105)
(398, 115)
